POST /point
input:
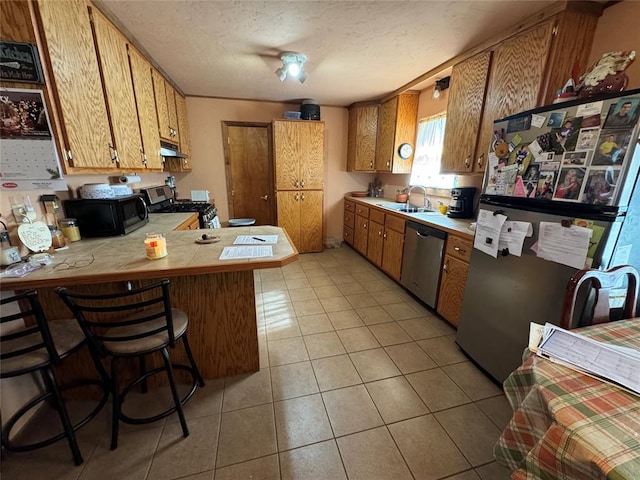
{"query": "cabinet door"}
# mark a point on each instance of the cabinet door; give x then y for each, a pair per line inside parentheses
(286, 147)
(162, 110)
(515, 81)
(310, 221)
(118, 86)
(143, 88)
(375, 242)
(464, 113)
(172, 113)
(311, 155)
(289, 215)
(406, 122)
(361, 234)
(452, 284)
(392, 253)
(361, 147)
(77, 85)
(386, 135)
(183, 129)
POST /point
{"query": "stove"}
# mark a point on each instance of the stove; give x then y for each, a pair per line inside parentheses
(160, 200)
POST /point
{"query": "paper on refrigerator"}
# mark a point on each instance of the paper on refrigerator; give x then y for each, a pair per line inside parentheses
(512, 236)
(488, 231)
(565, 245)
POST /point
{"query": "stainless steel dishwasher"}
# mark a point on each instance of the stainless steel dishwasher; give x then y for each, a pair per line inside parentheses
(422, 261)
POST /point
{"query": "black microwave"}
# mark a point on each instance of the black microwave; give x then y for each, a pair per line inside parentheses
(107, 217)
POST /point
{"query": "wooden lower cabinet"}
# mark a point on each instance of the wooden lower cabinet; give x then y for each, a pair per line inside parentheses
(375, 242)
(454, 277)
(191, 223)
(361, 234)
(300, 214)
(392, 253)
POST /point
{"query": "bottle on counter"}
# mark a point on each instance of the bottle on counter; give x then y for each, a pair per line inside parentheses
(70, 229)
(155, 245)
(57, 237)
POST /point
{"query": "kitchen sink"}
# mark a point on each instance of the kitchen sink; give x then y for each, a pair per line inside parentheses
(415, 210)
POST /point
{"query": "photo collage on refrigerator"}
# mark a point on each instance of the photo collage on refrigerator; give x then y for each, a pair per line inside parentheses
(576, 155)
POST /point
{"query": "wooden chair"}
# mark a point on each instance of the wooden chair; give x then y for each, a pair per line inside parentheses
(135, 324)
(35, 348)
(602, 281)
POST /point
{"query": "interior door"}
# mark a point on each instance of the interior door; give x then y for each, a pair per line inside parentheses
(249, 171)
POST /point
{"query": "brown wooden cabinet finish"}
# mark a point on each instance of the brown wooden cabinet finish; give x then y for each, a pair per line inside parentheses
(464, 113)
(349, 221)
(375, 242)
(396, 125)
(361, 234)
(113, 56)
(191, 223)
(76, 84)
(299, 154)
(361, 146)
(183, 131)
(289, 214)
(162, 110)
(311, 221)
(148, 121)
(393, 240)
(515, 81)
(454, 277)
(172, 113)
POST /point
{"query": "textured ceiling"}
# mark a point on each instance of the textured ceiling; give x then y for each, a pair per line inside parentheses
(357, 50)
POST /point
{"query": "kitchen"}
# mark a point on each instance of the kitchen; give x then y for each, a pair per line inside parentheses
(205, 115)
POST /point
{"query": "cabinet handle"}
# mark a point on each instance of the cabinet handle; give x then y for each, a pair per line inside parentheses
(364, 225)
(370, 164)
(445, 266)
(380, 233)
(467, 161)
(69, 155)
(458, 249)
(296, 184)
(389, 164)
(297, 197)
(114, 155)
(302, 197)
(265, 198)
(385, 235)
(480, 159)
(302, 183)
(143, 157)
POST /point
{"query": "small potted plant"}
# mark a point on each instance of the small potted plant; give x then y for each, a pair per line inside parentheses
(402, 195)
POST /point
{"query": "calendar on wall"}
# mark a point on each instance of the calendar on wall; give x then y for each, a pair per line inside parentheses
(28, 155)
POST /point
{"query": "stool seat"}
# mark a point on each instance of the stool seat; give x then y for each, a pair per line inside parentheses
(241, 222)
(66, 335)
(145, 343)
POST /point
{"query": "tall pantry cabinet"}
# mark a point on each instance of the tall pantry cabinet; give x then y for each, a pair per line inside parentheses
(298, 152)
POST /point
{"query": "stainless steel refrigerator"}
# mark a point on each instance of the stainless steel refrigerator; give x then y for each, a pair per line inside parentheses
(576, 162)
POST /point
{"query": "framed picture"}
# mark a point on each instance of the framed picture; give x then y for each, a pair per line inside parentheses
(19, 62)
(623, 114)
(600, 185)
(612, 147)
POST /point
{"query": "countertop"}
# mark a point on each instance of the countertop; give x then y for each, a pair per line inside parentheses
(99, 260)
(455, 226)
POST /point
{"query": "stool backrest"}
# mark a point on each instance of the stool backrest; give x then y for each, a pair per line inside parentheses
(29, 338)
(98, 313)
(602, 281)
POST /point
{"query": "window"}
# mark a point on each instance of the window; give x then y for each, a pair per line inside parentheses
(426, 161)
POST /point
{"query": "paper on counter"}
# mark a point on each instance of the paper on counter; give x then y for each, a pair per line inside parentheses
(565, 245)
(512, 236)
(255, 239)
(258, 251)
(488, 232)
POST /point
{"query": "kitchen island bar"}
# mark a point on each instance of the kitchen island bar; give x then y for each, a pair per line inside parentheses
(217, 295)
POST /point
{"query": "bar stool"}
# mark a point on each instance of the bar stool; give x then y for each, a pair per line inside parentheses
(134, 324)
(36, 348)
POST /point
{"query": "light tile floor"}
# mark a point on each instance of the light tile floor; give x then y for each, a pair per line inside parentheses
(358, 380)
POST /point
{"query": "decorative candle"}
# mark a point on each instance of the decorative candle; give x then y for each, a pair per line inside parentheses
(155, 245)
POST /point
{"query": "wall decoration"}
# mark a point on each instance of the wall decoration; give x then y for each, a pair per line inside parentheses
(19, 62)
(555, 119)
(28, 158)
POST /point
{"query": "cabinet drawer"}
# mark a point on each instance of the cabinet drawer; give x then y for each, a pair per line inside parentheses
(349, 206)
(395, 223)
(362, 211)
(349, 219)
(376, 216)
(348, 235)
(459, 247)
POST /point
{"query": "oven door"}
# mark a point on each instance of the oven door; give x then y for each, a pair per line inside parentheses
(213, 223)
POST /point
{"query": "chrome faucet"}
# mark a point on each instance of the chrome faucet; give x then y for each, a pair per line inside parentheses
(426, 202)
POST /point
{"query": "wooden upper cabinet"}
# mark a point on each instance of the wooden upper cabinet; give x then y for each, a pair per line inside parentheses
(76, 85)
(299, 154)
(361, 147)
(111, 46)
(464, 113)
(172, 113)
(183, 129)
(515, 81)
(397, 121)
(162, 109)
(147, 118)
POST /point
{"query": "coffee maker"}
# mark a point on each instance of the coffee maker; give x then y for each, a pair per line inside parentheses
(462, 202)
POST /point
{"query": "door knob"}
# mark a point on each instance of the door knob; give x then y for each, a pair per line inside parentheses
(265, 198)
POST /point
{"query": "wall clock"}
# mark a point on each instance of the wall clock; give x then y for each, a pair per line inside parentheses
(405, 150)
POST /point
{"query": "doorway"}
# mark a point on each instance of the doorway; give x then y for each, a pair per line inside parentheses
(249, 171)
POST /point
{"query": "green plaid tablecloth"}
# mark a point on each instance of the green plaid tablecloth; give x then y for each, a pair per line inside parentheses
(567, 425)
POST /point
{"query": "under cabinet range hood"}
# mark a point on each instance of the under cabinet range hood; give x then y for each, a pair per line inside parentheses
(169, 150)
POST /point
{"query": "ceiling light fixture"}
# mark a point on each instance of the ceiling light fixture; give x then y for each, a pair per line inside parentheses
(440, 85)
(292, 64)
